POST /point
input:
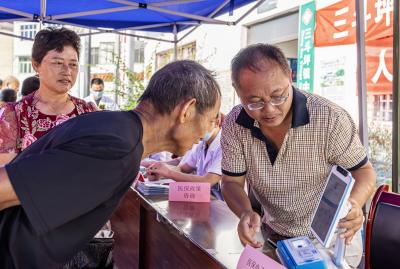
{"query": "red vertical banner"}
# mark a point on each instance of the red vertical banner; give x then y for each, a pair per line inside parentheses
(379, 46)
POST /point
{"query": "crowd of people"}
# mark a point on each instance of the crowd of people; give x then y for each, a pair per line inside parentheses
(65, 165)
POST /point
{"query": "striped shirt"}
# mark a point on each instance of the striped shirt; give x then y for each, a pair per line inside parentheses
(289, 182)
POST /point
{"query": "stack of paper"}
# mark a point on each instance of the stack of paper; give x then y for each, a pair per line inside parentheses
(154, 187)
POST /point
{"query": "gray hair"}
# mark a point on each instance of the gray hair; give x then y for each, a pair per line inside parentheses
(253, 55)
(181, 81)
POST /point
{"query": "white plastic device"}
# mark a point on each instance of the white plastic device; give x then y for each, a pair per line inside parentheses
(332, 205)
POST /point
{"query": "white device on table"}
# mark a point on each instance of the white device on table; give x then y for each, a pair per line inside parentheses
(333, 206)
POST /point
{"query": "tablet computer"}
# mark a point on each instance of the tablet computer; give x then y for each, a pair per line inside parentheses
(333, 200)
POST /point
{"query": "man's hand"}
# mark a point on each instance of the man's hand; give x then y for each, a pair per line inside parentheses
(147, 163)
(352, 222)
(248, 226)
(158, 170)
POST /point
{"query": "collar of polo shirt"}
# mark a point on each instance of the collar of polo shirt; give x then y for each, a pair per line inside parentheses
(300, 116)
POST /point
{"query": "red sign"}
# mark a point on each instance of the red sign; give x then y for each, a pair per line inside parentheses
(336, 25)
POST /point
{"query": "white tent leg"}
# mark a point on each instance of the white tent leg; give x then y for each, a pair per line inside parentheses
(175, 30)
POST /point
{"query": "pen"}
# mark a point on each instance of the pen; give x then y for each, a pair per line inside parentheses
(272, 243)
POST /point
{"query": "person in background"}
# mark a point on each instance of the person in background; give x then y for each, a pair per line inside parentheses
(201, 164)
(97, 96)
(7, 96)
(10, 82)
(284, 142)
(1, 83)
(29, 85)
(60, 190)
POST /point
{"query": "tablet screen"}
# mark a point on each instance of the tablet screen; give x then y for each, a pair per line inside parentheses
(328, 206)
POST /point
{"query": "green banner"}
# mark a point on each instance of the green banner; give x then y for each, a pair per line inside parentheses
(305, 62)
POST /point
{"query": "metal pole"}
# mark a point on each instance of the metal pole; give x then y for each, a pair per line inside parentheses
(42, 10)
(175, 31)
(88, 65)
(117, 73)
(361, 74)
(16, 36)
(396, 97)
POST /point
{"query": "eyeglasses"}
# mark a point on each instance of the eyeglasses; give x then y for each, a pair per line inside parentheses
(274, 101)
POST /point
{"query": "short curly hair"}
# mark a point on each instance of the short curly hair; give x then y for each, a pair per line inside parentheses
(54, 39)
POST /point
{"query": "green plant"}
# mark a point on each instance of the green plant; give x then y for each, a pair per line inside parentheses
(129, 90)
(134, 90)
(380, 151)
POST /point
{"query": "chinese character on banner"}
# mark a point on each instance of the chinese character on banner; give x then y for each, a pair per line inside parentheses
(383, 9)
(382, 69)
(379, 56)
(306, 86)
(307, 46)
(306, 73)
(335, 24)
(306, 59)
(341, 20)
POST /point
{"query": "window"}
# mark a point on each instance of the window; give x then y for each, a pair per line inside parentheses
(163, 58)
(28, 30)
(106, 52)
(185, 52)
(139, 52)
(383, 107)
(24, 65)
(94, 55)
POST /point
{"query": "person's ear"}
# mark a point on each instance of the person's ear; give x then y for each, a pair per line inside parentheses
(35, 66)
(220, 119)
(187, 111)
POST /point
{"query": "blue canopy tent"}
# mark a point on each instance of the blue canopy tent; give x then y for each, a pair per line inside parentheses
(171, 16)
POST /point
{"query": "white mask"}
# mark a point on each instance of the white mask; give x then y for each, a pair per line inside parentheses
(208, 136)
(97, 94)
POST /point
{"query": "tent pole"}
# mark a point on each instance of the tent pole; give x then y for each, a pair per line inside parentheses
(16, 12)
(87, 76)
(141, 36)
(42, 10)
(175, 43)
(117, 71)
(396, 97)
(158, 8)
(16, 36)
(361, 75)
(211, 16)
(249, 11)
